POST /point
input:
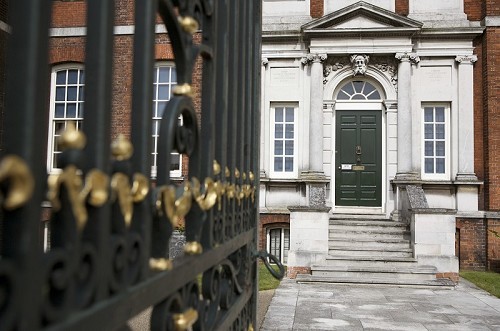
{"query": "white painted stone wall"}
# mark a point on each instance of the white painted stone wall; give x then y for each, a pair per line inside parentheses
(433, 237)
(331, 6)
(308, 238)
(285, 7)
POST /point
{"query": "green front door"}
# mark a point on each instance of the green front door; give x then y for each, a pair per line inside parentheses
(358, 158)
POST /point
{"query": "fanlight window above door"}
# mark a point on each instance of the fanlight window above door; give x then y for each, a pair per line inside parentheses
(358, 90)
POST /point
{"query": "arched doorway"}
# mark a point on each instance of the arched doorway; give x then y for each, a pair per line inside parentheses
(358, 145)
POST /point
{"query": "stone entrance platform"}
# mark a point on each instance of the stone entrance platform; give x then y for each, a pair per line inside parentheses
(372, 307)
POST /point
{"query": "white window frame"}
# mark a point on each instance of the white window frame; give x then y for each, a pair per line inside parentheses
(447, 136)
(156, 119)
(281, 256)
(51, 145)
(283, 174)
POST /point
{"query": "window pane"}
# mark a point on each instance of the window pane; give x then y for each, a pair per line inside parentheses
(173, 78)
(439, 131)
(343, 96)
(289, 131)
(164, 74)
(440, 148)
(61, 77)
(440, 114)
(289, 114)
(278, 116)
(82, 77)
(81, 94)
(278, 131)
(163, 93)
(368, 88)
(278, 147)
(358, 86)
(429, 148)
(275, 242)
(358, 97)
(348, 89)
(288, 164)
(289, 147)
(161, 108)
(175, 162)
(60, 93)
(59, 112)
(429, 131)
(428, 114)
(374, 96)
(59, 126)
(440, 166)
(286, 245)
(72, 76)
(278, 164)
(71, 110)
(80, 109)
(429, 166)
(72, 93)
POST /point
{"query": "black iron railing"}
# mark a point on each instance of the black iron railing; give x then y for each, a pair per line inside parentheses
(110, 227)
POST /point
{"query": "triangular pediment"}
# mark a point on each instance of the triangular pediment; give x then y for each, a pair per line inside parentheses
(362, 16)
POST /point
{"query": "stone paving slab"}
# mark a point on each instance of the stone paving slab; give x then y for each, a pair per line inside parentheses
(323, 306)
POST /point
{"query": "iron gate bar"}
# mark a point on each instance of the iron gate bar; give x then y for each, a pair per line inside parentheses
(26, 74)
(142, 96)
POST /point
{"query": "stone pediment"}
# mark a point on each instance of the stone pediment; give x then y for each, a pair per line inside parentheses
(362, 17)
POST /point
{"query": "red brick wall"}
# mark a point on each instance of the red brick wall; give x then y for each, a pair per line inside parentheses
(492, 7)
(316, 9)
(68, 13)
(473, 9)
(268, 221)
(402, 7)
(472, 244)
(491, 98)
(493, 246)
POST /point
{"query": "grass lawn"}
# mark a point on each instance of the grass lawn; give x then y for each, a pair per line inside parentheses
(488, 281)
(266, 280)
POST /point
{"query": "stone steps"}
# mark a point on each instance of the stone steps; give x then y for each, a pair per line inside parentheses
(442, 283)
(370, 261)
(371, 251)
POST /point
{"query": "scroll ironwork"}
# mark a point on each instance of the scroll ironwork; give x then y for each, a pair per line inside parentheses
(111, 225)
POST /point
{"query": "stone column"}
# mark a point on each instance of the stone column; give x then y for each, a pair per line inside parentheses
(316, 113)
(465, 118)
(314, 177)
(405, 142)
(263, 119)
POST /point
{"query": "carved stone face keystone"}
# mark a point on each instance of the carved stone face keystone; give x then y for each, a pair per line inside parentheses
(359, 64)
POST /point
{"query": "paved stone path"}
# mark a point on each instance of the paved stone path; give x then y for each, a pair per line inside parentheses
(347, 307)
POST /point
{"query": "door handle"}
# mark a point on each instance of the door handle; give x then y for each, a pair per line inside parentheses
(358, 150)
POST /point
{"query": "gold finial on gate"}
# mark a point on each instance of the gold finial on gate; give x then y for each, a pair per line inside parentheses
(14, 170)
(183, 89)
(236, 173)
(250, 327)
(160, 264)
(121, 148)
(72, 138)
(193, 248)
(251, 176)
(227, 172)
(189, 24)
(186, 320)
(217, 168)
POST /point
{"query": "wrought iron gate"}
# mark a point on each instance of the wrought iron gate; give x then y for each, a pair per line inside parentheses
(111, 227)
